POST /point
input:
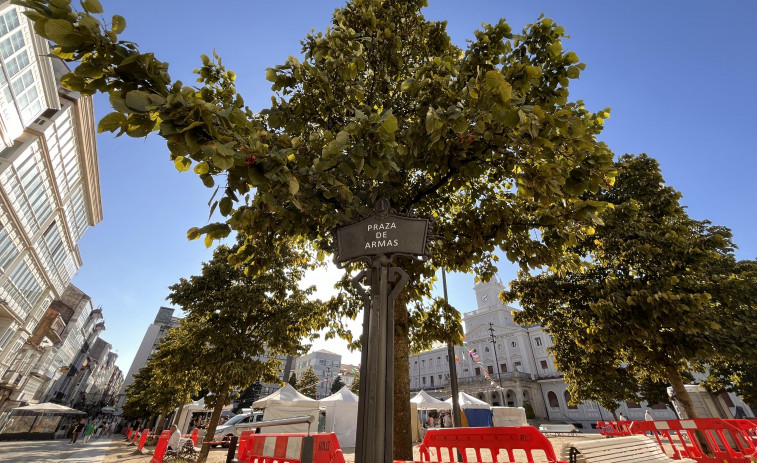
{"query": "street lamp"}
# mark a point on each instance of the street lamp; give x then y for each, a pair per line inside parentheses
(328, 381)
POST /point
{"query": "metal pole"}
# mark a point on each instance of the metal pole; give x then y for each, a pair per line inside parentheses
(457, 419)
(496, 360)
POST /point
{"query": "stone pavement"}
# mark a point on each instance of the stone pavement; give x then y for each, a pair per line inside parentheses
(54, 451)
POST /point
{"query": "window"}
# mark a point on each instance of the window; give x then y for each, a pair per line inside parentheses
(8, 250)
(544, 364)
(478, 371)
(516, 364)
(490, 369)
(438, 360)
(24, 287)
(486, 349)
(513, 344)
(8, 22)
(440, 378)
(424, 380)
(566, 395)
(432, 379)
(630, 404)
(537, 340)
(503, 367)
(552, 398)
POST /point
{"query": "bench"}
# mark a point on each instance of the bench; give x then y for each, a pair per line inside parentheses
(617, 449)
(558, 429)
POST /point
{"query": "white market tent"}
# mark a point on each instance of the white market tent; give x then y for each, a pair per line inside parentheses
(288, 403)
(48, 407)
(285, 394)
(341, 415)
(425, 402)
(468, 401)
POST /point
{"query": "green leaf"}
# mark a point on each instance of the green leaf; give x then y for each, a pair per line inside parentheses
(138, 100)
(111, 122)
(193, 233)
(270, 75)
(118, 24)
(390, 124)
(294, 186)
(182, 164)
(433, 122)
(62, 32)
(92, 6)
(202, 168)
(225, 206)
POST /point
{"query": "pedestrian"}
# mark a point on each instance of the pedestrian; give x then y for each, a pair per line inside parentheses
(88, 430)
(622, 417)
(447, 420)
(322, 421)
(648, 415)
(430, 421)
(77, 430)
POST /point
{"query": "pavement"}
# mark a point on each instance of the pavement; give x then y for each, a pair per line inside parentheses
(55, 451)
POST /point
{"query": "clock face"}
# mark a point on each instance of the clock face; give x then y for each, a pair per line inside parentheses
(484, 297)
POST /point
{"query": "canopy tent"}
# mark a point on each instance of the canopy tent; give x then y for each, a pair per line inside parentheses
(341, 415)
(285, 394)
(288, 403)
(51, 408)
(425, 402)
(189, 409)
(477, 412)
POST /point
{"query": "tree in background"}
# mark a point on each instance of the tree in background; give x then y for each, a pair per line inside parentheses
(249, 395)
(355, 386)
(308, 383)
(646, 307)
(293, 380)
(484, 140)
(233, 317)
(337, 385)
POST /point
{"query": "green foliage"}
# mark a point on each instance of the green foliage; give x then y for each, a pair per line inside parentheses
(647, 304)
(250, 395)
(529, 410)
(308, 383)
(336, 385)
(355, 386)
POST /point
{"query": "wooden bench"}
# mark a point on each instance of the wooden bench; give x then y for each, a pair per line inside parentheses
(558, 429)
(617, 450)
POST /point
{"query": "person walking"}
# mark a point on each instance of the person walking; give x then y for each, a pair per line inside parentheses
(77, 430)
(622, 417)
(88, 430)
(648, 415)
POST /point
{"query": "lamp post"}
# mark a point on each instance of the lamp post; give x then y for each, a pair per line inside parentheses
(457, 419)
(328, 381)
(496, 360)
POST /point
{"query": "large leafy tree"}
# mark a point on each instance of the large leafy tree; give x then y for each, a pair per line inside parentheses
(234, 317)
(337, 385)
(647, 307)
(485, 140)
(308, 383)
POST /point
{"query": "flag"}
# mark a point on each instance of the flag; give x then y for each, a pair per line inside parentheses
(457, 359)
(474, 355)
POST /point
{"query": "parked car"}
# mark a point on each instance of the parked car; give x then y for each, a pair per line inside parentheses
(234, 427)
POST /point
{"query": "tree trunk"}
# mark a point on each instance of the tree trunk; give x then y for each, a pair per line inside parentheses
(679, 391)
(176, 417)
(403, 436)
(214, 418)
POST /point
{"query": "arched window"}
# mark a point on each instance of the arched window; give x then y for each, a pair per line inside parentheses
(566, 395)
(552, 398)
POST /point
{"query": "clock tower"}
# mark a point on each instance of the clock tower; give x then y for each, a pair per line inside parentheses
(487, 294)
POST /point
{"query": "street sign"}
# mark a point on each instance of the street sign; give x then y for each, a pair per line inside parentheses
(388, 234)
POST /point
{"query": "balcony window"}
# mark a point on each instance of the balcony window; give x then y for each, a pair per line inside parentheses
(537, 340)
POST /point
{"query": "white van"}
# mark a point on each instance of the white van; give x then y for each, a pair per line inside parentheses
(234, 427)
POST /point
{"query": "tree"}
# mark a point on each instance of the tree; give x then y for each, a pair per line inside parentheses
(644, 307)
(293, 380)
(249, 395)
(337, 385)
(484, 140)
(308, 383)
(234, 317)
(355, 386)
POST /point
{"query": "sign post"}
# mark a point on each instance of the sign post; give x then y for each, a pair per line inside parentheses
(377, 240)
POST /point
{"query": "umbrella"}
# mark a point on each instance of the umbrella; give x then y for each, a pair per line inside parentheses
(48, 407)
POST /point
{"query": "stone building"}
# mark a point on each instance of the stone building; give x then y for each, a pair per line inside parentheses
(49, 196)
(326, 365)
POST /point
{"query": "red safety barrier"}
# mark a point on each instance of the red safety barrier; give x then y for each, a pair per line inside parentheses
(194, 436)
(135, 436)
(495, 439)
(706, 440)
(128, 433)
(160, 449)
(614, 428)
(749, 427)
(143, 439)
(287, 448)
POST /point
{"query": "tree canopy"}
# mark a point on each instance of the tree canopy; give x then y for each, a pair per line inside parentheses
(648, 305)
(308, 383)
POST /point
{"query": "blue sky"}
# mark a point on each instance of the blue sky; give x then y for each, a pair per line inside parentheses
(679, 77)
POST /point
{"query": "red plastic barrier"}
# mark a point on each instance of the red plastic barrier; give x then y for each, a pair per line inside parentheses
(160, 449)
(495, 439)
(614, 428)
(143, 439)
(194, 436)
(706, 440)
(128, 433)
(136, 434)
(251, 448)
